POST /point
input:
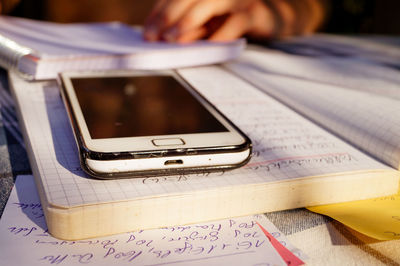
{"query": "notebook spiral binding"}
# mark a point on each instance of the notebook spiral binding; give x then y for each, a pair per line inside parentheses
(11, 54)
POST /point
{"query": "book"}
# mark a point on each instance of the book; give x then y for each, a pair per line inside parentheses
(296, 161)
(39, 50)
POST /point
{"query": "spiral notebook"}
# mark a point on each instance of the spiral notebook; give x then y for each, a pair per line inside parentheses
(39, 50)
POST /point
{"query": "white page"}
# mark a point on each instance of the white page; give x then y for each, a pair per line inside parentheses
(340, 71)
(371, 49)
(369, 121)
(24, 240)
(50, 40)
(286, 145)
(50, 48)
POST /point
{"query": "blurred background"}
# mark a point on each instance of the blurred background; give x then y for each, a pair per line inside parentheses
(346, 16)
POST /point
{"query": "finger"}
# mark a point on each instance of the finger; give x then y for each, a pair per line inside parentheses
(174, 11)
(192, 35)
(198, 14)
(204, 31)
(234, 27)
(285, 18)
(262, 21)
(316, 12)
(150, 31)
(198, 33)
(166, 16)
(159, 5)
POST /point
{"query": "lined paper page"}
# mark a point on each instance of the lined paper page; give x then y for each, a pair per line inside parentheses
(370, 49)
(369, 121)
(342, 71)
(286, 146)
(24, 240)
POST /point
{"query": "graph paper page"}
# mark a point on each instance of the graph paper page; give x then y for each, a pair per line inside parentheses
(367, 120)
(286, 146)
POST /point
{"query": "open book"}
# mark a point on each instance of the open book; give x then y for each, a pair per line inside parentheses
(40, 50)
(361, 106)
(337, 154)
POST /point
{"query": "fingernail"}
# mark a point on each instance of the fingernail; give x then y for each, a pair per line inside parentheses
(171, 35)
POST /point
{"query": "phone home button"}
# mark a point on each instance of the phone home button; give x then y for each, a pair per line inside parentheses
(168, 142)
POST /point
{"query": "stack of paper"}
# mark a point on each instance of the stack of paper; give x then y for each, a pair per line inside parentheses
(237, 241)
(295, 164)
(39, 50)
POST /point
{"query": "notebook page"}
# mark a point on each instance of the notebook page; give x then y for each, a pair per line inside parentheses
(52, 40)
(238, 241)
(286, 146)
(344, 72)
(382, 50)
(58, 47)
(370, 122)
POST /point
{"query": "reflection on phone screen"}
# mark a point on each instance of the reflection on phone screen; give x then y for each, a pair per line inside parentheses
(115, 107)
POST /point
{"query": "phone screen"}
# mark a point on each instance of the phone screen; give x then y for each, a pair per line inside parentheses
(116, 107)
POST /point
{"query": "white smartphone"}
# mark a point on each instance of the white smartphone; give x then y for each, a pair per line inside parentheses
(143, 123)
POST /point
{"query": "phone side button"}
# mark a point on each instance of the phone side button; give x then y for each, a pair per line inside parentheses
(168, 142)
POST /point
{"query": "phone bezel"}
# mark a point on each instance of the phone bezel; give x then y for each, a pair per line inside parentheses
(220, 155)
(128, 144)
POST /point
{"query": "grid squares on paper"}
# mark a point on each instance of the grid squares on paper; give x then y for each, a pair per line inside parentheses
(54, 148)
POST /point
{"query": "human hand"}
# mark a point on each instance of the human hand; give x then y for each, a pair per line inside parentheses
(224, 20)
(188, 20)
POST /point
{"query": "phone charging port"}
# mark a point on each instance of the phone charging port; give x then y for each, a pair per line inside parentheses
(173, 162)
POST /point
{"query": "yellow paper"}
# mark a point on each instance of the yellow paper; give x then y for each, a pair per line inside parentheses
(378, 218)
